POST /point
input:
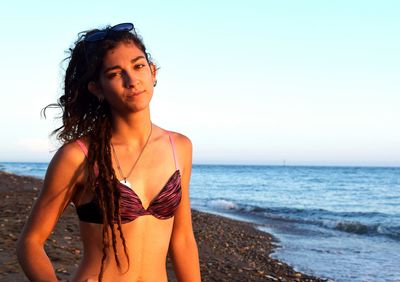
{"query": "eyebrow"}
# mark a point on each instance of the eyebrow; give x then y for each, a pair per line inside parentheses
(119, 67)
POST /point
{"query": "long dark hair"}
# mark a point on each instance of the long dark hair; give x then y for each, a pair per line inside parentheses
(85, 116)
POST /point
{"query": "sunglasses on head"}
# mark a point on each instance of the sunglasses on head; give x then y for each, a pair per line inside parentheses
(101, 34)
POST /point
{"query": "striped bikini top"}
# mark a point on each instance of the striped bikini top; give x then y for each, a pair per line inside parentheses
(162, 206)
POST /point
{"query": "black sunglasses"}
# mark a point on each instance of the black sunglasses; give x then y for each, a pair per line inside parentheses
(101, 34)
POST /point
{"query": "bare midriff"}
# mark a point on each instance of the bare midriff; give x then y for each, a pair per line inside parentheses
(147, 240)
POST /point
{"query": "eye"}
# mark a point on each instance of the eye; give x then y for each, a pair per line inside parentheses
(139, 66)
(113, 74)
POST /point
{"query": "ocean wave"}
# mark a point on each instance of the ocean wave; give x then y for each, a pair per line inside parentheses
(357, 227)
(349, 226)
(222, 204)
(340, 221)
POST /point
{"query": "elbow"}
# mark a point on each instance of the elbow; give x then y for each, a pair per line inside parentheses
(23, 246)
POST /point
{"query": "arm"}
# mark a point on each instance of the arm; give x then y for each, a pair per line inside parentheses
(57, 191)
(183, 247)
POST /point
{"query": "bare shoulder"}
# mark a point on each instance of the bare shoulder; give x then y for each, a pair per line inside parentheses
(68, 160)
(70, 153)
(182, 142)
(183, 148)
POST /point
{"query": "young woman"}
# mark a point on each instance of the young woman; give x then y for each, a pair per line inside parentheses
(127, 177)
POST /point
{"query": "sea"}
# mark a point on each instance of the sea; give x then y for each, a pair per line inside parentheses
(338, 223)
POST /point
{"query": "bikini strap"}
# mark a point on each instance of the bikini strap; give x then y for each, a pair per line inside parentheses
(83, 147)
(85, 151)
(173, 150)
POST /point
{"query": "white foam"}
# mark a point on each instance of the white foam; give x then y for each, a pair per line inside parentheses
(222, 204)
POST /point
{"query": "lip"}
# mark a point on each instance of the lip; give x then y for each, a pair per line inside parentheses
(134, 94)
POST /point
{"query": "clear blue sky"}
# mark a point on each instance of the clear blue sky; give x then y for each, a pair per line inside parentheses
(309, 82)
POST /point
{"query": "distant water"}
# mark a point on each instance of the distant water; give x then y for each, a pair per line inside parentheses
(341, 223)
(32, 169)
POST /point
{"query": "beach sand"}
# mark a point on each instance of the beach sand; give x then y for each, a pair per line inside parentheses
(229, 250)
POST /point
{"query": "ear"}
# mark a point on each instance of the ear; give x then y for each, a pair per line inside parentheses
(153, 69)
(96, 90)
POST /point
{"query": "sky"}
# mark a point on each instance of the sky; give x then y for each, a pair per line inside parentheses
(249, 82)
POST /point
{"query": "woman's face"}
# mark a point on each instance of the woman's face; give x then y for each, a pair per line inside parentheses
(126, 79)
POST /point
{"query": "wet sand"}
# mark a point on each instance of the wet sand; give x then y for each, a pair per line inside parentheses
(229, 250)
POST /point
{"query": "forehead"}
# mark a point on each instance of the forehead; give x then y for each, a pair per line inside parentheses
(122, 53)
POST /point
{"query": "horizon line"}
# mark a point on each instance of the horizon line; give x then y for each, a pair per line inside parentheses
(299, 164)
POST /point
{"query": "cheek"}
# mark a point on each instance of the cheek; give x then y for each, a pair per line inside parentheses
(111, 86)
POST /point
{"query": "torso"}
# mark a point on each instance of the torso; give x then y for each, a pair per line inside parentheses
(147, 237)
(147, 240)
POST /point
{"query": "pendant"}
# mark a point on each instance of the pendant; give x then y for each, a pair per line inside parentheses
(126, 183)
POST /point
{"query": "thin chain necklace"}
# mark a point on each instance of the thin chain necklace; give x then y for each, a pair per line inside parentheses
(124, 178)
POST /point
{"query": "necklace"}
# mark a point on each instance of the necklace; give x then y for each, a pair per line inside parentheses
(124, 178)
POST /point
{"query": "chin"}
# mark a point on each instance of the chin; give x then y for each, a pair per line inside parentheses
(137, 108)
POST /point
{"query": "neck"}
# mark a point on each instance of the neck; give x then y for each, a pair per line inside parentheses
(131, 130)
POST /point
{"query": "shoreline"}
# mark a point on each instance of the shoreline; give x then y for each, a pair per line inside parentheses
(229, 250)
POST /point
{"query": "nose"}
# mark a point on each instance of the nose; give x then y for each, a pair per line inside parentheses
(131, 80)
